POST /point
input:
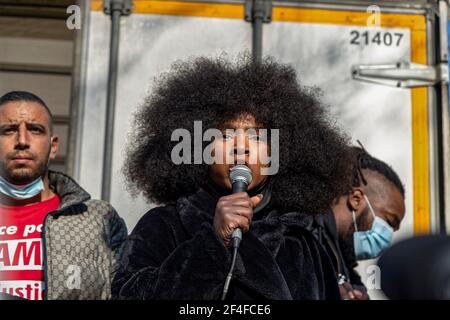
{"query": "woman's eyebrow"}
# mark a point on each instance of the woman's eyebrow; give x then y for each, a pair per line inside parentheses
(249, 127)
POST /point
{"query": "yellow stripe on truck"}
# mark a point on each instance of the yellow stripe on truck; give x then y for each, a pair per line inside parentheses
(179, 8)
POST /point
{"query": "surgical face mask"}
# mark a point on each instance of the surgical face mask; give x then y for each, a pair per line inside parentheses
(371, 243)
(21, 192)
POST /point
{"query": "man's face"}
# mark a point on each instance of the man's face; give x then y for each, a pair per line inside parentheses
(389, 207)
(26, 144)
(250, 149)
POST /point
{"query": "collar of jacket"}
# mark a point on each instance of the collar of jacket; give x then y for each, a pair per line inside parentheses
(261, 244)
(328, 223)
(68, 191)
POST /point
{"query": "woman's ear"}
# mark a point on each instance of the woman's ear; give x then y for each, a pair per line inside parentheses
(355, 200)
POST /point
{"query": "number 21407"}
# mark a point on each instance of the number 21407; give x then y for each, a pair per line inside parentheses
(378, 38)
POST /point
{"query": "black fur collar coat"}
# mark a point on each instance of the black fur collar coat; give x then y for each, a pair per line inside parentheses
(174, 253)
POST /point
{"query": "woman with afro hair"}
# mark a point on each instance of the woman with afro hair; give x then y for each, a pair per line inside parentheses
(182, 249)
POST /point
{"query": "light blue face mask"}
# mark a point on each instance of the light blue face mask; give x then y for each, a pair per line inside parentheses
(371, 243)
(21, 192)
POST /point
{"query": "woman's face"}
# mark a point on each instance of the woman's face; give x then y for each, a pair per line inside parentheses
(245, 146)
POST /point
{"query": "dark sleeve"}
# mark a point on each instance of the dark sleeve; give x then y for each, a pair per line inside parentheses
(117, 234)
(355, 279)
(349, 259)
(160, 261)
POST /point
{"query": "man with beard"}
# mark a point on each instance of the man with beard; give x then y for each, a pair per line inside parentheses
(184, 249)
(55, 242)
(361, 223)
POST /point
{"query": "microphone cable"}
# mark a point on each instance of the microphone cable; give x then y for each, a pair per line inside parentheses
(240, 177)
(236, 243)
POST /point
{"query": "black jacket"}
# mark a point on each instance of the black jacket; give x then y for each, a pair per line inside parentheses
(342, 255)
(174, 253)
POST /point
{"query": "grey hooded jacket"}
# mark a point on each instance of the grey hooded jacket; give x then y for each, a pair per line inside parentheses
(82, 242)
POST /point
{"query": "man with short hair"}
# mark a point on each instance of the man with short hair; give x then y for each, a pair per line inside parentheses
(361, 223)
(55, 242)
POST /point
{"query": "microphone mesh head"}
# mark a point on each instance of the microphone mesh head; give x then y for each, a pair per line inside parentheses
(241, 172)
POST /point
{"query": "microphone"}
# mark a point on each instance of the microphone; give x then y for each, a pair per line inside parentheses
(417, 268)
(240, 178)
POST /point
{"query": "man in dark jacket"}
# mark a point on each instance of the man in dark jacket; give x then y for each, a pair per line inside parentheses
(55, 242)
(182, 250)
(377, 194)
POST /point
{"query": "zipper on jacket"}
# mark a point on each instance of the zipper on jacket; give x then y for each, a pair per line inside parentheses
(340, 274)
(44, 256)
(44, 253)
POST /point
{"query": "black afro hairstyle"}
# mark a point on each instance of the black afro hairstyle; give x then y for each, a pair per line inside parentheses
(313, 153)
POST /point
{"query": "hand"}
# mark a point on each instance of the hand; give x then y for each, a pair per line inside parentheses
(349, 293)
(234, 211)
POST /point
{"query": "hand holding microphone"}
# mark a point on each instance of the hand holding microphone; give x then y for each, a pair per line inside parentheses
(235, 211)
(234, 214)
